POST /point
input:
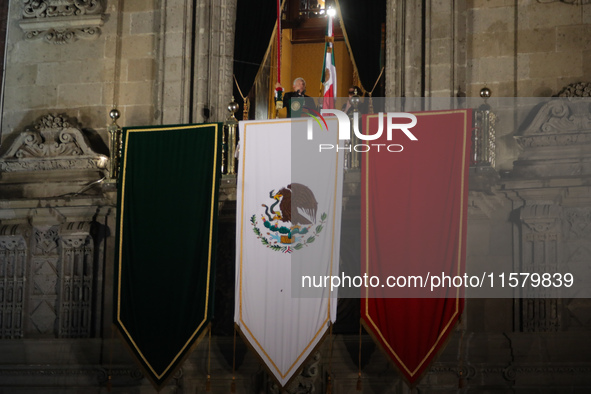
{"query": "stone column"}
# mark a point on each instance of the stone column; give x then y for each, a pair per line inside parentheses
(213, 59)
(426, 50)
(550, 185)
(195, 52)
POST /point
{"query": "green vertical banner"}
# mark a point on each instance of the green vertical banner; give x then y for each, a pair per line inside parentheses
(166, 237)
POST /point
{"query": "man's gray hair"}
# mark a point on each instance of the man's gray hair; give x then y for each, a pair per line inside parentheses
(299, 78)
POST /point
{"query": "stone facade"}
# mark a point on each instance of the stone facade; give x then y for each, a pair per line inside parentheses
(68, 63)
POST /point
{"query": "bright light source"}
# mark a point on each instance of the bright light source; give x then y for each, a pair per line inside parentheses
(331, 12)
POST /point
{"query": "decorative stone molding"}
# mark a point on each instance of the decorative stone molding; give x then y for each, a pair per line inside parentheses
(579, 89)
(560, 116)
(13, 272)
(55, 143)
(76, 280)
(61, 21)
(578, 223)
(557, 140)
(541, 222)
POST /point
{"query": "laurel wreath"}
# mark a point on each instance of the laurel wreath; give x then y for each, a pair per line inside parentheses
(299, 245)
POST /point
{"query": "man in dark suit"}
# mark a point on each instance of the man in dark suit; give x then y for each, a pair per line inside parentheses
(296, 107)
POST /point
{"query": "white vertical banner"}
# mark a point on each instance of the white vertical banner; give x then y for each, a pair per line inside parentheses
(289, 197)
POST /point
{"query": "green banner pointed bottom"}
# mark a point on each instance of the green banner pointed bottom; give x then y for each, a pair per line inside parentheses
(166, 237)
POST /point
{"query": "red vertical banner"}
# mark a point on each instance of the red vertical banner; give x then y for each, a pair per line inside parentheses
(414, 216)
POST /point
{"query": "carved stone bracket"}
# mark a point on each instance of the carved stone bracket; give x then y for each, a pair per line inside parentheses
(541, 222)
(560, 116)
(61, 21)
(56, 143)
(579, 89)
(557, 141)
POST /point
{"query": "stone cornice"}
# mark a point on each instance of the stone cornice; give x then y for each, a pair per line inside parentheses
(55, 143)
(61, 21)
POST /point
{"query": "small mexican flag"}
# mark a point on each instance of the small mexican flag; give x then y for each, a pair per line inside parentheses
(329, 72)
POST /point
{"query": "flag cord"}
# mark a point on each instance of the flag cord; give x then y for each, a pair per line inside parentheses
(376, 84)
(246, 107)
(238, 86)
(372, 89)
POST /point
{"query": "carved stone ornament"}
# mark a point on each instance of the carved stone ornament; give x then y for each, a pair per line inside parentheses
(61, 21)
(559, 122)
(579, 89)
(54, 144)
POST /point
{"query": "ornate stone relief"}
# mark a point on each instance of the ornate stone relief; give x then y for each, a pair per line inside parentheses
(55, 143)
(540, 245)
(558, 117)
(54, 268)
(44, 279)
(76, 281)
(557, 142)
(13, 272)
(579, 89)
(578, 223)
(61, 21)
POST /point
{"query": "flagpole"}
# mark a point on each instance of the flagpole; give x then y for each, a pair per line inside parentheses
(329, 77)
(278, 89)
(279, 41)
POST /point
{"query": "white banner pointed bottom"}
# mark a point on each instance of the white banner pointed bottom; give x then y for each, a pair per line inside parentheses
(289, 196)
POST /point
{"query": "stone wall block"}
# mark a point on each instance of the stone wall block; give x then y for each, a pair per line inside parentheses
(573, 38)
(175, 16)
(141, 70)
(490, 20)
(549, 15)
(440, 77)
(173, 94)
(173, 69)
(23, 75)
(136, 93)
(137, 115)
(140, 46)
(537, 87)
(487, 70)
(495, 44)
(144, 22)
(140, 5)
(489, 3)
(586, 65)
(75, 95)
(536, 40)
(551, 65)
(174, 44)
(31, 97)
